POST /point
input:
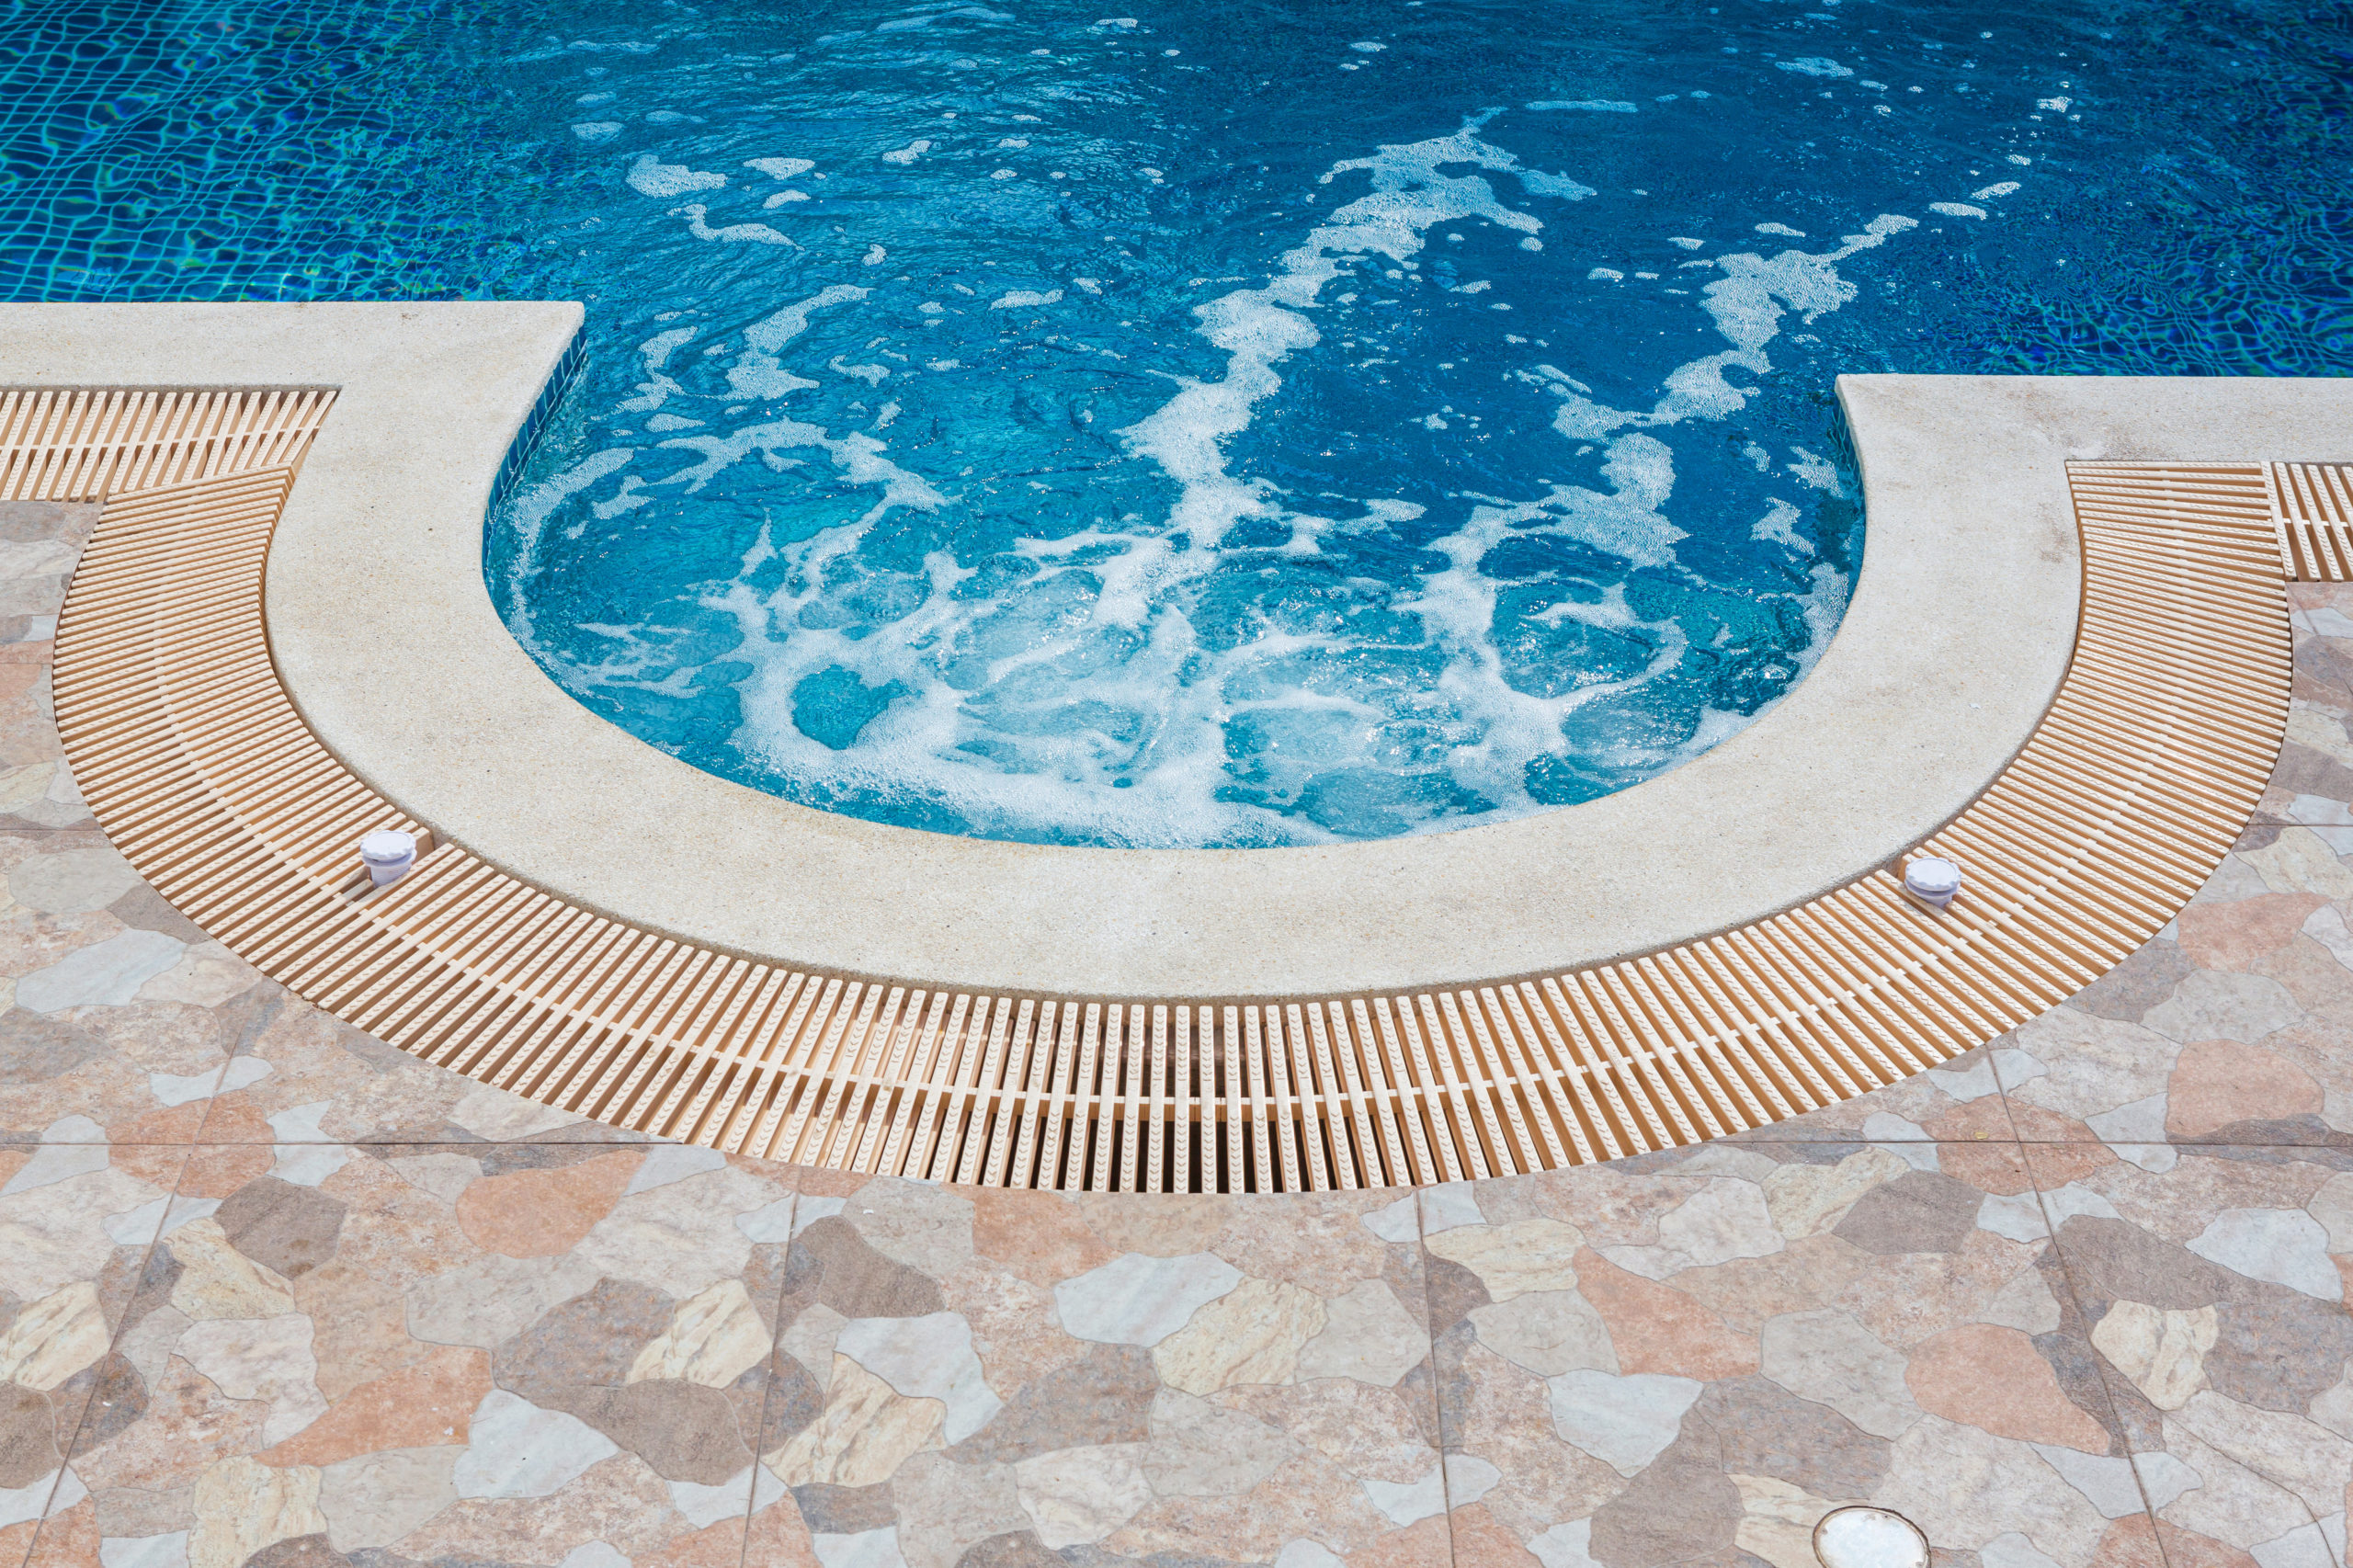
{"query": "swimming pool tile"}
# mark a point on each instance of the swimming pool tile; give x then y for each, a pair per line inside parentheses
(1001, 1377)
(389, 1347)
(1738, 1342)
(2213, 1292)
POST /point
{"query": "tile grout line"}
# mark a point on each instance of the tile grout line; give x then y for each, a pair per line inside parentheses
(2303, 1506)
(245, 1037)
(2108, 1394)
(1438, 1379)
(71, 1447)
(67, 1455)
(2075, 1300)
(768, 1386)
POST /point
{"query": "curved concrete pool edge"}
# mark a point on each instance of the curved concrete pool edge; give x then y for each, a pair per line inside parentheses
(387, 640)
(641, 837)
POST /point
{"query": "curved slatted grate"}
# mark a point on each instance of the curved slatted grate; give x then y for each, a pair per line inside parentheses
(2313, 508)
(2151, 758)
(79, 443)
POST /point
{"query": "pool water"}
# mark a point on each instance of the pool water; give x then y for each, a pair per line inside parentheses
(1227, 424)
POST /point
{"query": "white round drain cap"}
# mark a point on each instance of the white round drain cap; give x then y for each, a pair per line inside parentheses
(1933, 877)
(386, 847)
(1868, 1537)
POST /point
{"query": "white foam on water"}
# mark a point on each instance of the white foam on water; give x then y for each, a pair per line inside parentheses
(658, 349)
(908, 154)
(2006, 188)
(1513, 727)
(1086, 702)
(1815, 65)
(1956, 209)
(858, 456)
(649, 175)
(1746, 305)
(1816, 472)
(651, 394)
(598, 129)
(756, 371)
(733, 234)
(1256, 328)
(628, 498)
(528, 516)
(1595, 106)
(1068, 757)
(1780, 525)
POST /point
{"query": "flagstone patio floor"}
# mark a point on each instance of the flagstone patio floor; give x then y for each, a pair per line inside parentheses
(275, 1295)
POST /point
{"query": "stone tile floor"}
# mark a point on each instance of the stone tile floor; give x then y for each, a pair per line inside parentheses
(274, 1295)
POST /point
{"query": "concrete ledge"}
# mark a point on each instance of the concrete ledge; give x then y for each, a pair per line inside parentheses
(386, 638)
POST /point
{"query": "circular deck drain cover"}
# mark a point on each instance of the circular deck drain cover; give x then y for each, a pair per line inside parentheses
(1868, 1537)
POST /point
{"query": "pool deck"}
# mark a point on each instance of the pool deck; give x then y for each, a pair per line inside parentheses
(388, 642)
(275, 1295)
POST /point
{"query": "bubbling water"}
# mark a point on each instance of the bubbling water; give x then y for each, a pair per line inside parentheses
(997, 523)
(1108, 683)
(1238, 423)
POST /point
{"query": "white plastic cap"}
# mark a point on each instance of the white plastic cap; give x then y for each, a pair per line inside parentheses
(386, 847)
(1932, 877)
(1869, 1538)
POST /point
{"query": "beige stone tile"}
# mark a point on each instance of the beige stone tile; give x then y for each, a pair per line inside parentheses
(2212, 1288)
(1005, 1376)
(342, 1345)
(1735, 1340)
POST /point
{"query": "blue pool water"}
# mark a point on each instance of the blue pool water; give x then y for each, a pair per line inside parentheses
(1223, 423)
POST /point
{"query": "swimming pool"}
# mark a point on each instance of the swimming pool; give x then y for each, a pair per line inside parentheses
(1219, 427)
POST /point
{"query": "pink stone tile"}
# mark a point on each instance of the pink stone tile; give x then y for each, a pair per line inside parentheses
(2209, 1283)
(348, 1345)
(1695, 1359)
(1037, 1378)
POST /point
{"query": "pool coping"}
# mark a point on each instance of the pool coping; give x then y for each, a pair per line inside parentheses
(385, 636)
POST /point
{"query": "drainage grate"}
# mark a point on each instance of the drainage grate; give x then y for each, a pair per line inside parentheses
(2312, 505)
(79, 443)
(2151, 757)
